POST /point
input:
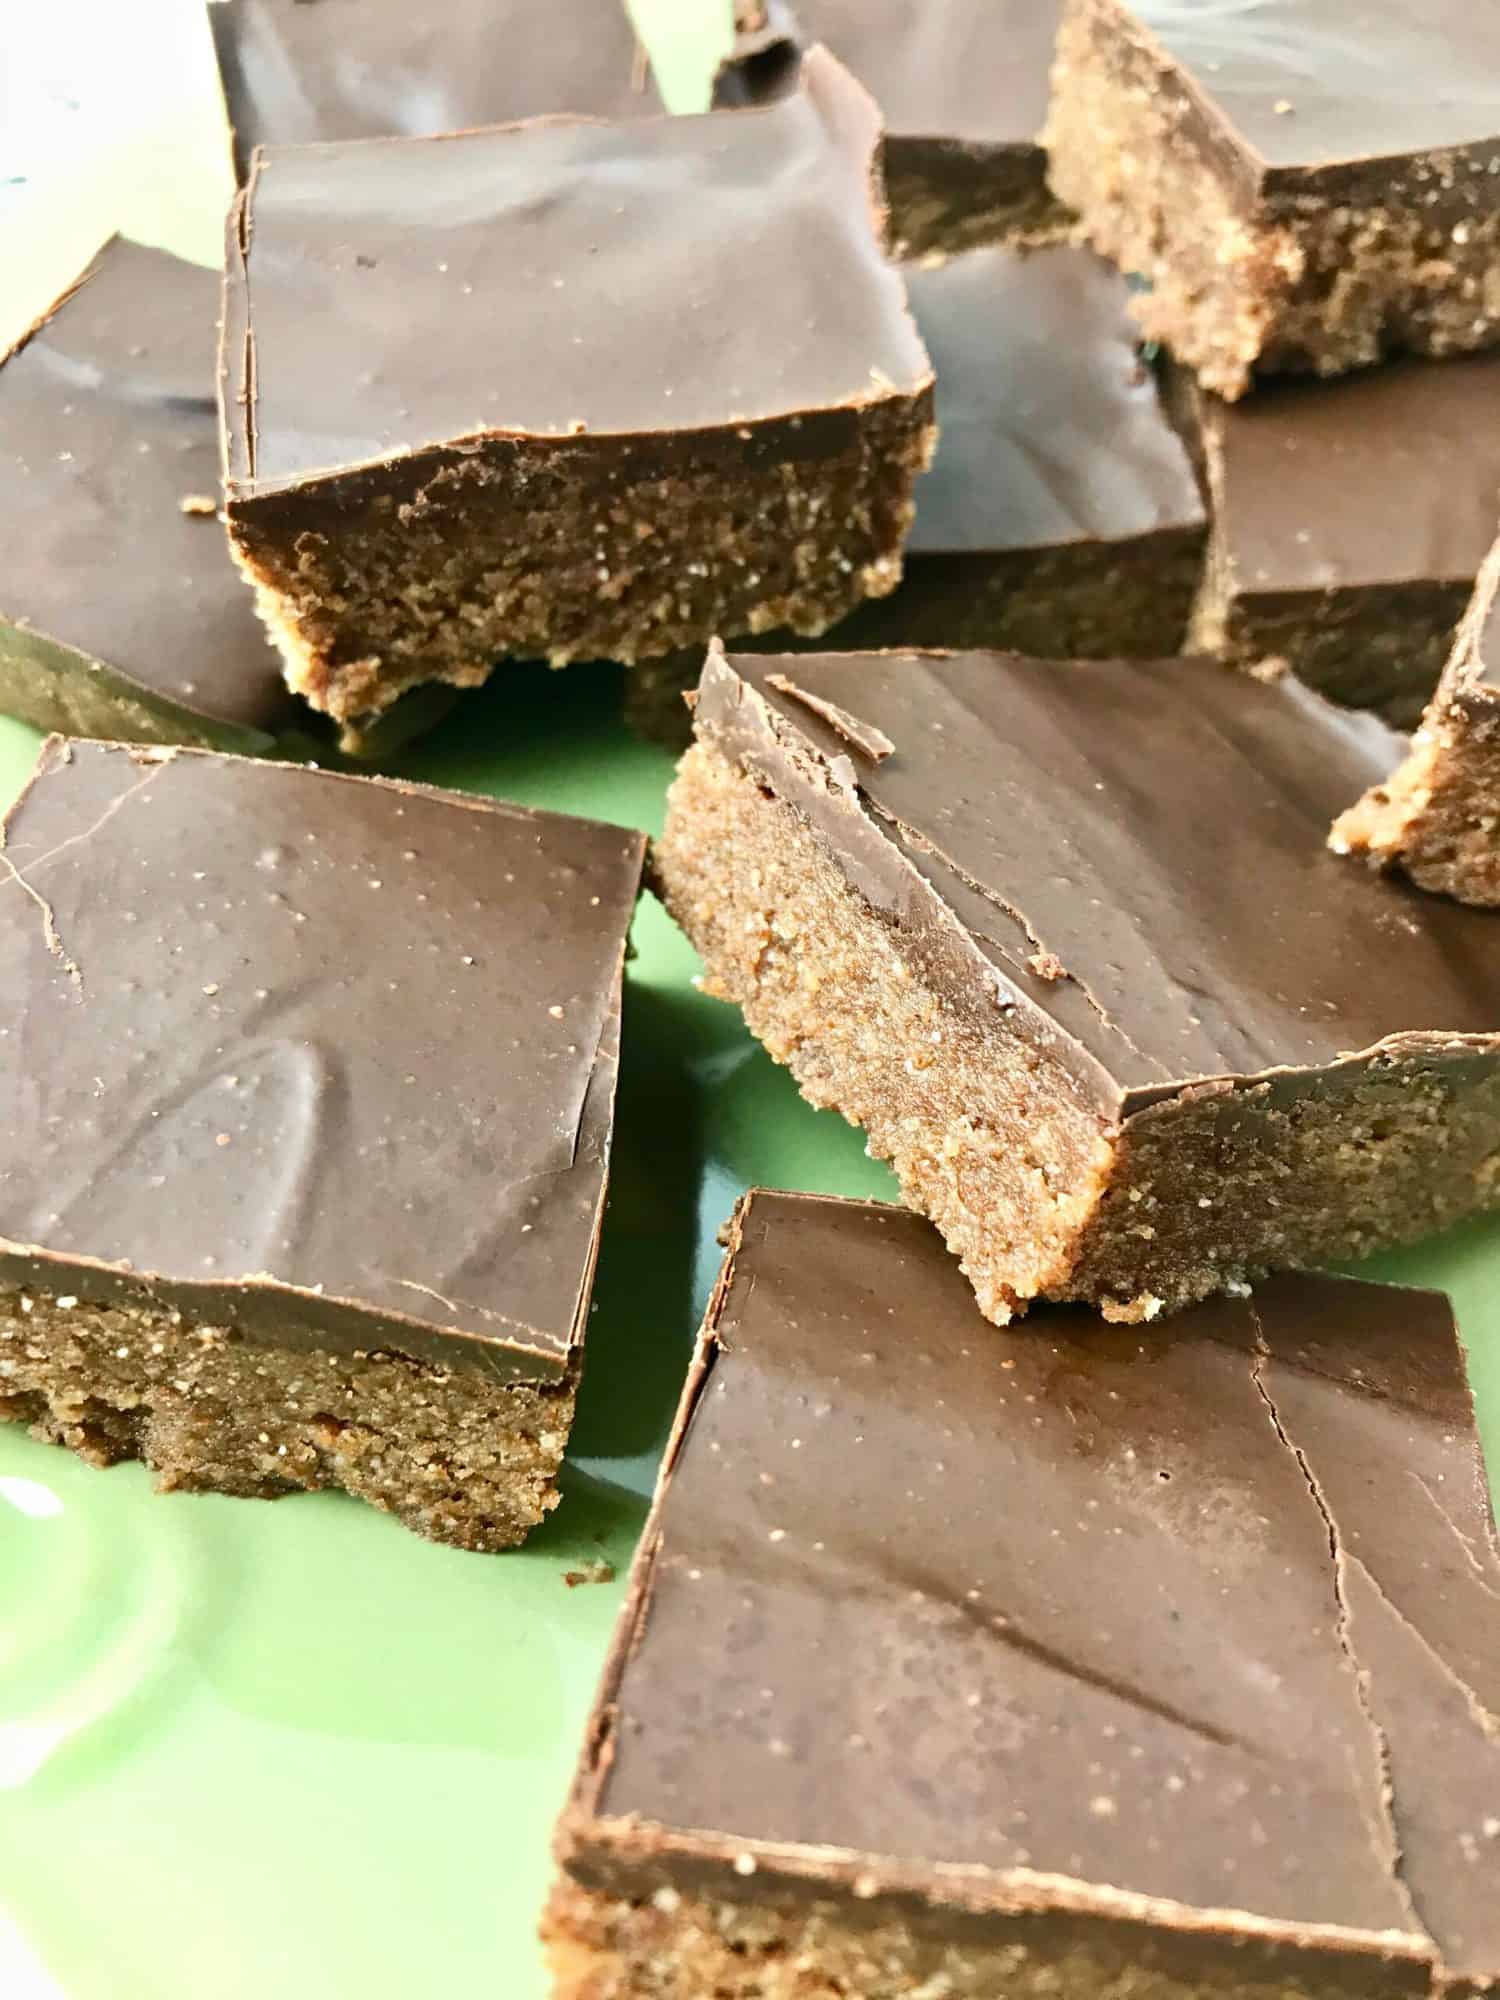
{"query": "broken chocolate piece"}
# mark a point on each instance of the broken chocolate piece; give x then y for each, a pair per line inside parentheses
(1311, 561)
(962, 85)
(544, 454)
(277, 1211)
(1060, 1661)
(120, 612)
(293, 72)
(1305, 185)
(1076, 956)
(1437, 817)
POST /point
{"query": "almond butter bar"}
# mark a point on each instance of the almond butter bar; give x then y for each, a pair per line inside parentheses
(278, 1211)
(1047, 1664)
(1066, 939)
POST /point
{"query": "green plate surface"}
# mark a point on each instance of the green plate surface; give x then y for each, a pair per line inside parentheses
(290, 1750)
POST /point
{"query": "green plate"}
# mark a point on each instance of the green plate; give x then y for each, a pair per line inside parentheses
(291, 1750)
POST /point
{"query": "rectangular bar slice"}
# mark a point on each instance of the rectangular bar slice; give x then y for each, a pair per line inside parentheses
(1066, 940)
(120, 611)
(965, 1665)
(962, 85)
(1349, 522)
(1437, 817)
(293, 73)
(279, 1209)
(1305, 184)
(619, 387)
(1061, 516)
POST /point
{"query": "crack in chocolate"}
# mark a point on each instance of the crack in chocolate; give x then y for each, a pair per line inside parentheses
(1386, 1839)
(1465, 1542)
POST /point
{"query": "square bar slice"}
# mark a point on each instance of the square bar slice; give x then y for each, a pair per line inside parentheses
(1066, 939)
(962, 85)
(1306, 184)
(1349, 522)
(120, 611)
(568, 390)
(371, 69)
(308, 1084)
(1061, 516)
(965, 1665)
(1437, 817)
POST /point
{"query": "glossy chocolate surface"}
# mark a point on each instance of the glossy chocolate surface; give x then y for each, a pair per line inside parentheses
(562, 278)
(1064, 1616)
(1050, 429)
(300, 70)
(1153, 832)
(974, 70)
(1308, 90)
(1306, 477)
(107, 424)
(218, 1094)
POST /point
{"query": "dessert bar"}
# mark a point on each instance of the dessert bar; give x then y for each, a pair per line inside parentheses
(962, 85)
(1303, 184)
(1349, 522)
(1065, 938)
(293, 73)
(277, 1209)
(1061, 515)
(618, 387)
(1437, 817)
(120, 610)
(1068, 1661)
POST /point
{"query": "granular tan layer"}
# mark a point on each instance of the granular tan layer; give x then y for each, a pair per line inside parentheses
(1033, 1189)
(434, 568)
(458, 1457)
(1304, 284)
(946, 197)
(673, 1947)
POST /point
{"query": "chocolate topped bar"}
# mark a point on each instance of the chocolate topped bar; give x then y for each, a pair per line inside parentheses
(729, 443)
(120, 611)
(369, 69)
(1065, 937)
(963, 89)
(1306, 184)
(1056, 1661)
(239, 1117)
(1437, 816)
(1311, 563)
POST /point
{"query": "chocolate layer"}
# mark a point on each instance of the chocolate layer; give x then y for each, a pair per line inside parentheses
(218, 1097)
(1290, 97)
(1054, 1634)
(1148, 834)
(366, 69)
(562, 280)
(114, 575)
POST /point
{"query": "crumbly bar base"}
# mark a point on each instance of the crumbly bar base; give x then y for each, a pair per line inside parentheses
(57, 691)
(1379, 647)
(437, 567)
(1034, 1193)
(1079, 601)
(673, 1947)
(947, 197)
(1437, 817)
(1305, 285)
(457, 1456)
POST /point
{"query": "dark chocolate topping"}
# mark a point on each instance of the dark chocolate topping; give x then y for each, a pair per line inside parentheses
(974, 70)
(1320, 84)
(212, 1083)
(1059, 1615)
(1050, 428)
(107, 424)
(654, 277)
(1155, 827)
(367, 69)
(1307, 477)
